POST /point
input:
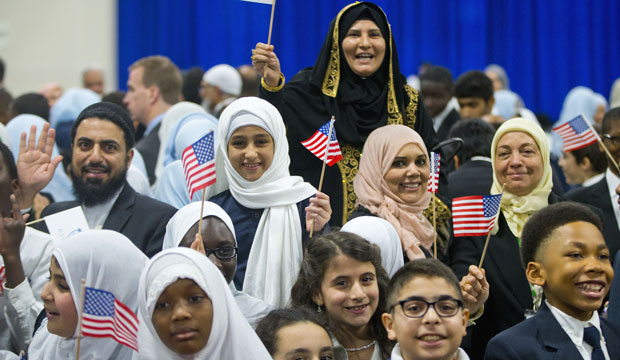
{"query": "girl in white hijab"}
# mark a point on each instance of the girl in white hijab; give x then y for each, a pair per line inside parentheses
(214, 327)
(268, 205)
(380, 232)
(185, 222)
(106, 260)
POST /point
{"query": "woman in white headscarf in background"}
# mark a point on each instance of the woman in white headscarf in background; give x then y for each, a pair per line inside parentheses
(580, 100)
(219, 330)
(380, 232)
(106, 260)
(176, 112)
(218, 237)
(172, 185)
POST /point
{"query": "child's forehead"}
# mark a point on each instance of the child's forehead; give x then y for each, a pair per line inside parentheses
(571, 234)
(429, 287)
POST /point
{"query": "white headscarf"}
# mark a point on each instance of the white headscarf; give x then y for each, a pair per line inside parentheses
(189, 215)
(107, 260)
(252, 308)
(379, 231)
(169, 121)
(276, 254)
(231, 336)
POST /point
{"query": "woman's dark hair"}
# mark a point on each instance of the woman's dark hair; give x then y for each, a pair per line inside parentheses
(320, 252)
(268, 327)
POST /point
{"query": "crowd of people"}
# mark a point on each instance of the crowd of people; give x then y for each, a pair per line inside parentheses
(261, 264)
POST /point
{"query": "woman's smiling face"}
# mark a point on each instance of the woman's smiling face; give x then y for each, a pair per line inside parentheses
(364, 47)
(408, 175)
(250, 150)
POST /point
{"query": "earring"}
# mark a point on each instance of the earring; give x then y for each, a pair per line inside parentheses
(318, 308)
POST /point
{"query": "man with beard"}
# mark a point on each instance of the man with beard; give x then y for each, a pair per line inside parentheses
(102, 148)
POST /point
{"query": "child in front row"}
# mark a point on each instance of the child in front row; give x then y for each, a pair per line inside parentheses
(426, 314)
(565, 253)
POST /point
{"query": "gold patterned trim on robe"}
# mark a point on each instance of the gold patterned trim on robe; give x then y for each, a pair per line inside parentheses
(412, 106)
(348, 166)
(332, 73)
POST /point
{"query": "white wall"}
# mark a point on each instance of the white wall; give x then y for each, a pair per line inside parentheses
(54, 40)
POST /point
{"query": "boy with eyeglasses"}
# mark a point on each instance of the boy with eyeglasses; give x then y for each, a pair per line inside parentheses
(426, 314)
(564, 252)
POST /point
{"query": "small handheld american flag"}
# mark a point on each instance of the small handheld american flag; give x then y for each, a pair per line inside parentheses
(199, 164)
(105, 316)
(433, 180)
(318, 144)
(474, 215)
(576, 134)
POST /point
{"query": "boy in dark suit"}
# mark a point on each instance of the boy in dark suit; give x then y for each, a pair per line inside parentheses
(564, 251)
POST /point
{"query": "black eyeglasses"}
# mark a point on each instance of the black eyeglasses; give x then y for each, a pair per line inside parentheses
(416, 307)
(615, 140)
(223, 253)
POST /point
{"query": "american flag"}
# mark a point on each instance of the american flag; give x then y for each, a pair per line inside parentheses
(2, 279)
(199, 164)
(576, 134)
(105, 316)
(433, 180)
(474, 215)
(318, 143)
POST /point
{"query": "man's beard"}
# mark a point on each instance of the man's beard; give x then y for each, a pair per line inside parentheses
(91, 192)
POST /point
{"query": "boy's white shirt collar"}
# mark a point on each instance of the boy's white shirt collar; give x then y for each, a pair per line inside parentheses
(396, 355)
(574, 329)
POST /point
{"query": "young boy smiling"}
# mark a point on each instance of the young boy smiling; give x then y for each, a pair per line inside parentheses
(564, 252)
(426, 314)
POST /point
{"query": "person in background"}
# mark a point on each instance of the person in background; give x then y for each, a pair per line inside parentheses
(30, 103)
(474, 171)
(220, 86)
(603, 194)
(92, 79)
(251, 80)
(191, 85)
(52, 92)
(437, 89)
(474, 92)
(5, 104)
(583, 167)
(154, 85)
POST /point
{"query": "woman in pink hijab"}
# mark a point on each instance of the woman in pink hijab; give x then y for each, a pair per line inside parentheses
(392, 184)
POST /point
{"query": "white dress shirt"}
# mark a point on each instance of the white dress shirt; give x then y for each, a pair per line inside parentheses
(612, 183)
(574, 329)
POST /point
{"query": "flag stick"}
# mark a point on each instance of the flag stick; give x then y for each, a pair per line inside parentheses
(202, 206)
(35, 221)
(83, 295)
(601, 143)
(486, 243)
(434, 227)
(273, 8)
(329, 137)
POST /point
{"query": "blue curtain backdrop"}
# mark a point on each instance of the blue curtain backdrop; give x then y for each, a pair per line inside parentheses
(546, 46)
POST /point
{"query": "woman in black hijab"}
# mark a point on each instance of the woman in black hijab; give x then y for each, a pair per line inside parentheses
(356, 78)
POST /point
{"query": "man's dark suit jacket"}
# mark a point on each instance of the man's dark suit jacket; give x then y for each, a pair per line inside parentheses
(597, 195)
(452, 117)
(475, 177)
(509, 294)
(142, 219)
(542, 337)
(148, 147)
